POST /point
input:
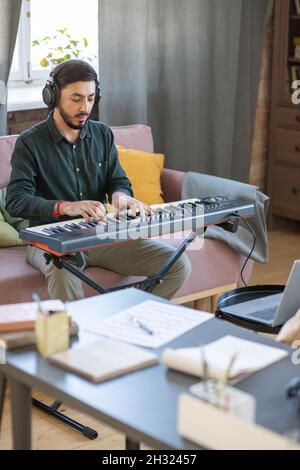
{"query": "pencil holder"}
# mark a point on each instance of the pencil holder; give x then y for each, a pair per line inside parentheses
(228, 398)
(51, 332)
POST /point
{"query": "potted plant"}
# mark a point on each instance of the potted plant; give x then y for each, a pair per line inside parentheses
(61, 47)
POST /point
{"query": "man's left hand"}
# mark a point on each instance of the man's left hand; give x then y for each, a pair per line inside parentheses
(122, 202)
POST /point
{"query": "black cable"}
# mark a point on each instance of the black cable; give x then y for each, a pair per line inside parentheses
(252, 249)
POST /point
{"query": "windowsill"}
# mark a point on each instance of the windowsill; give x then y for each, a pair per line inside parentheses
(25, 97)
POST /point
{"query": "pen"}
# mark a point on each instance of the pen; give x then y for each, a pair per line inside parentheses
(226, 376)
(204, 366)
(223, 397)
(141, 325)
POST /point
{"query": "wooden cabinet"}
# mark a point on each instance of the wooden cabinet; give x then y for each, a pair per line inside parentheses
(284, 158)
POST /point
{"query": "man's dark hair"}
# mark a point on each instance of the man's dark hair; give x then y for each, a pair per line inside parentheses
(71, 71)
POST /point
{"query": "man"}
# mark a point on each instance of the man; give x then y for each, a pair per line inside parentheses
(63, 168)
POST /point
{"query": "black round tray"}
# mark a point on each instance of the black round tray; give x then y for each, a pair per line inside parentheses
(243, 294)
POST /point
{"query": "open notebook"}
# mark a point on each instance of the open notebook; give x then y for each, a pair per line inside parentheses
(104, 359)
(249, 357)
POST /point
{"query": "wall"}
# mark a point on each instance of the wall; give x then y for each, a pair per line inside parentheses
(18, 121)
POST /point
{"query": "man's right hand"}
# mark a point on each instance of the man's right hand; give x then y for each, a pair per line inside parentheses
(87, 209)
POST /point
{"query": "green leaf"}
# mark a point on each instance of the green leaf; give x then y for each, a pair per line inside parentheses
(35, 43)
(67, 57)
(85, 42)
(60, 60)
(62, 31)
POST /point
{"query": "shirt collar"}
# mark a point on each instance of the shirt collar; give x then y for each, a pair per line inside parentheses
(57, 136)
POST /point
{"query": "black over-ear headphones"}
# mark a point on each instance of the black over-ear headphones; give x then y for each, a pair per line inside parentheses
(50, 91)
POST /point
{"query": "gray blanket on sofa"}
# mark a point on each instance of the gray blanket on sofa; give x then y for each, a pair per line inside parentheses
(198, 185)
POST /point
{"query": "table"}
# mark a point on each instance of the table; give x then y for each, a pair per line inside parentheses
(143, 404)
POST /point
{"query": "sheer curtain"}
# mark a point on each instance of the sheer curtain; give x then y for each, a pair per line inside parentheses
(190, 69)
(9, 20)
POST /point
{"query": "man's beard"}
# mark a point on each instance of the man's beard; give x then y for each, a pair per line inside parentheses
(68, 120)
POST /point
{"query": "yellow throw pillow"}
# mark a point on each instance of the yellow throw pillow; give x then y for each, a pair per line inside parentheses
(143, 170)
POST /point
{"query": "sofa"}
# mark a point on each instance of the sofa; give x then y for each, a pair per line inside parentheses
(215, 267)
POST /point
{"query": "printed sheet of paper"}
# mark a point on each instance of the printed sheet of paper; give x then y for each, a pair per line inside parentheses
(165, 321)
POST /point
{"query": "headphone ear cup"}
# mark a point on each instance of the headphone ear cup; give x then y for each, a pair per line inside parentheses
(50, 94)
(98, 93)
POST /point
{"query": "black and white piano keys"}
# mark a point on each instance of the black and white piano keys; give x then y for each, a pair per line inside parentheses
(79, 234)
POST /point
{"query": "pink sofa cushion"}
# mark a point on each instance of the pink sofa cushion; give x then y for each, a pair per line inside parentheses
(7, 144)
(137, 136)
(17, 278)
(171, 182)
(214, 265)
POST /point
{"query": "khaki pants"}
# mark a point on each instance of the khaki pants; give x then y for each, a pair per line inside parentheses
(138, 258)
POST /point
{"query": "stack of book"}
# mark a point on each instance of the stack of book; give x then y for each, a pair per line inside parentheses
(17, 322)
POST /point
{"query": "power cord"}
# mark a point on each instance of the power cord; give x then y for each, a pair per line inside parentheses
(253, 246)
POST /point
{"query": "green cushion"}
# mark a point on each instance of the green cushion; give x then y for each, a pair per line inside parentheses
(9, 226)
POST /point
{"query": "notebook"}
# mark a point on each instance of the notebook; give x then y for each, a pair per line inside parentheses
(104, 359)
(213, 359)
(15, 317)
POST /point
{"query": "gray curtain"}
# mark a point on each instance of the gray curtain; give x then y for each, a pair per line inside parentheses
(190, 70)
(9, 20)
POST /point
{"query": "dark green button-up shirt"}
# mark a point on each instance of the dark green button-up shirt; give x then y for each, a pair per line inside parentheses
(46, 167)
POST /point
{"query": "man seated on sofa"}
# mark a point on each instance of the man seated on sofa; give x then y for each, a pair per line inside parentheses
(64, 167)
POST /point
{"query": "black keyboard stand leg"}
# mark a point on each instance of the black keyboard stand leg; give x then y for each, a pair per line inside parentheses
(61, 262)
(53, 411)
(147, 284)
(172, 259)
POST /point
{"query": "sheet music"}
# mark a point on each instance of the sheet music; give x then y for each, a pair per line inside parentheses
(166, 321)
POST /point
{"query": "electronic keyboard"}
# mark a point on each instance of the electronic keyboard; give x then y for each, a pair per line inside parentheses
(80, 234)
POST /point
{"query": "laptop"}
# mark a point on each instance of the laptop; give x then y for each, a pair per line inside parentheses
(274, 309)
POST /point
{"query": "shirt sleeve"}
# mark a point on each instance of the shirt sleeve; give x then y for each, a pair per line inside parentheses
(21, 199)
(116, 177)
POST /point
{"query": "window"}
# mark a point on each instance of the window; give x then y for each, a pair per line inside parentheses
(78, 22)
